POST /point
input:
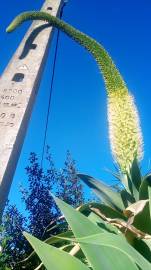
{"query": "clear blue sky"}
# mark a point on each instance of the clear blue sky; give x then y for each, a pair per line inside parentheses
(78, 120)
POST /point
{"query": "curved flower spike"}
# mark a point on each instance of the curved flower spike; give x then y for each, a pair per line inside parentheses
(124, 128)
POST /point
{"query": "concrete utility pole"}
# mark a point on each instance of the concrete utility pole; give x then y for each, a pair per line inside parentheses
(18, 89)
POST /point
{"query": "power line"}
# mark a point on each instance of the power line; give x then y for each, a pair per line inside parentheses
(51, 85)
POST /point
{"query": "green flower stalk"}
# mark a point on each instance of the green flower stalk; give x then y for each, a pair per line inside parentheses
(124, 128)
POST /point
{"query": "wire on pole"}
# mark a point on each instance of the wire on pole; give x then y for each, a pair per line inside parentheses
(51, 85)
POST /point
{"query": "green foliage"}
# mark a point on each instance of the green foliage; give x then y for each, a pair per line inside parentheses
(102, 250)
(43, 216)
(14, 245)
(3, 256)
(135, 219)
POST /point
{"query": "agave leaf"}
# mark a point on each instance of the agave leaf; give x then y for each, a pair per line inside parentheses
(108, 212)
(149, 192)
(135, 174)
(117, 242)
(134, 179)
(127, 198)
(148, 243)
(67, 247)
(54, 258)
(106, 227)
(105, 210)
(133, 191)
(105, 193)
(142, 220)
(51, 241)
(122, 178)
(117, 175)
(143, 191)
(100, 257)
(115, 225)
(143, 246)
(138, 215)
(135, 208)
(55, 240)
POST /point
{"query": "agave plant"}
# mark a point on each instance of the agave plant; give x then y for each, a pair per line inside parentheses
(96, 246)
(108, 236)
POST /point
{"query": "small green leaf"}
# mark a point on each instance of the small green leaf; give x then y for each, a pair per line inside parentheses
(54, 258)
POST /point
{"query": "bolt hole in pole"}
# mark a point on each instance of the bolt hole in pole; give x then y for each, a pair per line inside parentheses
(33, 46)
(18, 77)
(49, 8)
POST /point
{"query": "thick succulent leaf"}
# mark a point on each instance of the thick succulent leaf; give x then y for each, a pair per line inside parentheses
(106, 227)
(56, 240)
(134, 179)
(104, 192)
(133, 190)
(138, 215)
(117, 242)
(148, 243)
(126, 182)
(127, 198)
(54, 258)
(143, 191)
(99, 257)
(142, 220)
(105, 210)
(143, 246)
(149, 193)
(135, 174)
(75, 218)
(108, 211)
(121, 178)
(51, 241)
(117, 175)
(135, 208)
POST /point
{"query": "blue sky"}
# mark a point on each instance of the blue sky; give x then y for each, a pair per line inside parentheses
(78, 119)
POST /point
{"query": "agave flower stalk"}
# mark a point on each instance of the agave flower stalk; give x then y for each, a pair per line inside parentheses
(124, 127)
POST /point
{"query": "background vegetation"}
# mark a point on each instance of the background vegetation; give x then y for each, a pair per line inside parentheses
(41, 215)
